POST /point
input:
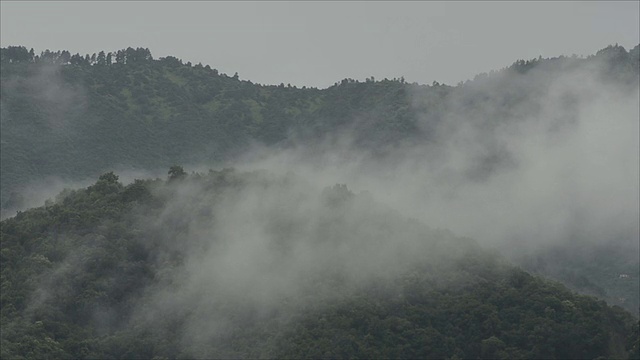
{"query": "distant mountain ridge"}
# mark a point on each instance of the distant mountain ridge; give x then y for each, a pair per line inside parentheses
(161, 269)
(75, 117)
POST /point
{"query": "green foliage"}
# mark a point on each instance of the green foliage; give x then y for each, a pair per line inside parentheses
(74, 116)
(73, 272)
(176, 172)
(608, 272)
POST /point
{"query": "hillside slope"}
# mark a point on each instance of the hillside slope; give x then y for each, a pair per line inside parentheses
(74, 119)
(202, 266)
(66, 118)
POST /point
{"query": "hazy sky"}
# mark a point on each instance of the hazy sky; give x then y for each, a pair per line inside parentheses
(319, 43)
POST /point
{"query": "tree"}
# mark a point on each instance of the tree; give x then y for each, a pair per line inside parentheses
(65, 57)
(101, 59)
(107, 183)
(120, 57)
(76, 59)
(15, 54)
(109, 177)
(176, 172)
(492, 348)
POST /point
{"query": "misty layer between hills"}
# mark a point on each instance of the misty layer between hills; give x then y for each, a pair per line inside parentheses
(559, 163)
(519, 161)
(253, 264)
(276, 246)
(539, 154)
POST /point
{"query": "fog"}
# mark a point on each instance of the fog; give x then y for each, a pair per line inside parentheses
(515, 162)
(560, 165)
(61, 104)
(37, 192)
(272, 249)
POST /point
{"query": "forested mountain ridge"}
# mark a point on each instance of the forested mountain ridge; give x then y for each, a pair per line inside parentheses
(161, 269)
(75, 117)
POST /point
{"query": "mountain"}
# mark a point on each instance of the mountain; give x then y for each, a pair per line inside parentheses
(537, 162)
(65, 119)
(77, 120)
(74, 118)
(231, 264)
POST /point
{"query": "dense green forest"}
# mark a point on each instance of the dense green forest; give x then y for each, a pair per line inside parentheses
(234, 263)
(75, 117)
(115, 271)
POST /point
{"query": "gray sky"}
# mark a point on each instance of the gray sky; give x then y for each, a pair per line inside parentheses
(319, 43)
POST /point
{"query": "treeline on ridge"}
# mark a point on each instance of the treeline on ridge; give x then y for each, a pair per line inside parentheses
(76, 271)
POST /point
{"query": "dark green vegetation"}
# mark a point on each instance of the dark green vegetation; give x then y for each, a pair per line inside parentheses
(75, 117)
(608, 272)
(111, 271)
(76, 120)
(231, 264)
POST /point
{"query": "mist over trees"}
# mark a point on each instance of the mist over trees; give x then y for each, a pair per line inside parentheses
(20, 54)
(77, 119)
(164, 269)
(375, 218)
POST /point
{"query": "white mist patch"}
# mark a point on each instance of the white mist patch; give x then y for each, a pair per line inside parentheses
(267, 247)
(545, 157)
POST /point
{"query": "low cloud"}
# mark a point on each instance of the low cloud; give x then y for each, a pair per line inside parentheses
(516, 161)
